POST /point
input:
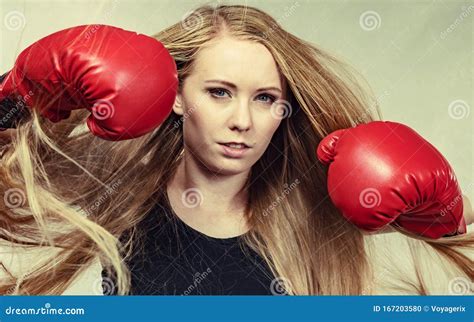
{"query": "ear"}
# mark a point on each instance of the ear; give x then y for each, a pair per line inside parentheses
(178, 105)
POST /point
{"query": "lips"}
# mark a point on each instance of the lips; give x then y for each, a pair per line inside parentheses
(236, 145)
(234, 150)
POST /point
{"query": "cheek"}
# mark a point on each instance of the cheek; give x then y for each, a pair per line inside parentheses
(267, 128)
(199, 127)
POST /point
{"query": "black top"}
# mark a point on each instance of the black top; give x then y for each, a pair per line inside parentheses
(12, 110)
(175, 259)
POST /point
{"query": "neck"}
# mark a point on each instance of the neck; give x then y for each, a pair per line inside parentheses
(218, 193)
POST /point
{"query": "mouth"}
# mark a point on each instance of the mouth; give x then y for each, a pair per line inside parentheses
(236, 145)
(234, 149)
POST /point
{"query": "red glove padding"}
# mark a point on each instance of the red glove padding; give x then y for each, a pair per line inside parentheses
(384, 172)
(127, 80)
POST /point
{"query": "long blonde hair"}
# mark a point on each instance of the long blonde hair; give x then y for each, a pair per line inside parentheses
(82, 194)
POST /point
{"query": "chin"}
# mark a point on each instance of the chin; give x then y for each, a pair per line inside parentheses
(231, 167)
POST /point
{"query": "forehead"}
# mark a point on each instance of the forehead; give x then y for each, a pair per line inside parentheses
(237, 60)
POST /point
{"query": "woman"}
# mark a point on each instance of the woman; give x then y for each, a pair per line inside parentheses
(184, 174)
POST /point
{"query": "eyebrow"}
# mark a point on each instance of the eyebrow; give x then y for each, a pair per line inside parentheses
(233, 86)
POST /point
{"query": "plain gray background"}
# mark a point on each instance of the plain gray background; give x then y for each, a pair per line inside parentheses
(416, 55)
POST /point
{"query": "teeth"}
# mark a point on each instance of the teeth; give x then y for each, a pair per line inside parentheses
(236, 146)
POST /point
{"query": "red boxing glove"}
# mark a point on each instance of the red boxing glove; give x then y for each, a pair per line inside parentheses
(127, 80)
(384, 172)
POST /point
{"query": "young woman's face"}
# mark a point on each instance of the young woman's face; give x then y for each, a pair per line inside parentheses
(228, 97)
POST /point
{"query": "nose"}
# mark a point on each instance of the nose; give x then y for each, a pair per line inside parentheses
(241, 119)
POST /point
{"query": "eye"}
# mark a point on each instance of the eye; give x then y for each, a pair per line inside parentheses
(218, 92)
(269, 98)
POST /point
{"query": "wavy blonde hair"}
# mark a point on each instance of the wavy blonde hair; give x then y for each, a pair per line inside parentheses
(84, 194)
